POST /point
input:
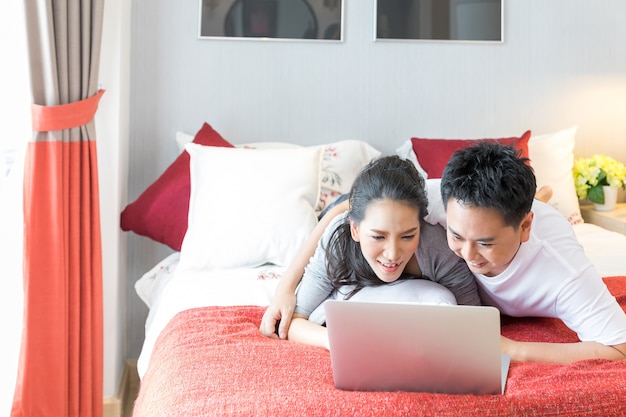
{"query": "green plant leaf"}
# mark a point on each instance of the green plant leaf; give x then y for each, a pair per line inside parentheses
(596, 194)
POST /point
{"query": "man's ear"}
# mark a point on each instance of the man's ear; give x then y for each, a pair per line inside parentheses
(525, 226)
(354, 231)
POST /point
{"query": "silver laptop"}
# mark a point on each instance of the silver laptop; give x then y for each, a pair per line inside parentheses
(415, 347)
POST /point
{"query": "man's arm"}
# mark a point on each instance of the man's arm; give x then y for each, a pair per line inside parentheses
(283, 303)
(560, 353)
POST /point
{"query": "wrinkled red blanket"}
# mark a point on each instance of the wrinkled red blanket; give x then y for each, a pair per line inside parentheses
(213, 361)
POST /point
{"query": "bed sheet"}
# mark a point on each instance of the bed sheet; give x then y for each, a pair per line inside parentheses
(606, 249)
(231, 287)
(212, 361)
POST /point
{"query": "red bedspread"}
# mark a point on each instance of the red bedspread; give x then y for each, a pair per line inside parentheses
(213, 361)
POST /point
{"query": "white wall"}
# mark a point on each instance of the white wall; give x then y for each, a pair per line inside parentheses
(112, 126)
(562, 63)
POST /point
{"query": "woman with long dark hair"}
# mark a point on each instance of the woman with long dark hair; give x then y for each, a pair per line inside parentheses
(380, 249)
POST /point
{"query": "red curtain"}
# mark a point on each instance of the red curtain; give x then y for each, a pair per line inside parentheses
(61, 359)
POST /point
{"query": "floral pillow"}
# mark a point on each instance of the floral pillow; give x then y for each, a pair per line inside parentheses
(341, 163)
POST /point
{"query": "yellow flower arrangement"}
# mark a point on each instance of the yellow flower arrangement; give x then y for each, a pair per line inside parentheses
(590, 174)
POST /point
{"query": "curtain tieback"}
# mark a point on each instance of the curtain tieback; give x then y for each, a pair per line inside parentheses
(65, 116)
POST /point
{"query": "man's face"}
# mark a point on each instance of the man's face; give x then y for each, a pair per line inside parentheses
(480, 236)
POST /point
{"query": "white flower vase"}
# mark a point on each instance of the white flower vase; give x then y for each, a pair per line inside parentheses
(610, 199)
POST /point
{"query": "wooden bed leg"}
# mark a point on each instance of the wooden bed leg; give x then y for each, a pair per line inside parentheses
(122, 404)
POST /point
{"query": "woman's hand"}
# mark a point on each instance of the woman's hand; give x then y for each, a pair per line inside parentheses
(280, 311)
(277, 316)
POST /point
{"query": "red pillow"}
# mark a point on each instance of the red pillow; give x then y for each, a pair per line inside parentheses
(160, 212)
(434, 154)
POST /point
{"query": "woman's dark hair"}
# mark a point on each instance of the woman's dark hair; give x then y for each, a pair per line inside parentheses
(492, 176)
(387, 178)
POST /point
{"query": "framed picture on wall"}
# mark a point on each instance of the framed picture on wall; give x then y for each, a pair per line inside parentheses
(436, 20)
(320, 20)
(258, 19)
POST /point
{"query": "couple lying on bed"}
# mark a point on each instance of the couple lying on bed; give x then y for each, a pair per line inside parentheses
(369, 248)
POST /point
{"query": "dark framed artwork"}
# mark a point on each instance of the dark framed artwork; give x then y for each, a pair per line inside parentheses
(438, 20)
(258, 19)
(271, 19)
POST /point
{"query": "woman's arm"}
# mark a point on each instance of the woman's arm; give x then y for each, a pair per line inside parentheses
(544, 193)
(304, 331)
(439, 264)
(560, 353)
(280, 310)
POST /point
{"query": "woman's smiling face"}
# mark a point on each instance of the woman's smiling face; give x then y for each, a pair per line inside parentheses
(388, 236)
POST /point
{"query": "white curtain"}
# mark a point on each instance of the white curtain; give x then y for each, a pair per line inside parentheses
(16, 130)
(11, 295)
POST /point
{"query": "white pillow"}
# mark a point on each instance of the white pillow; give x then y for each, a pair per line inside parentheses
(182, 139)
(341, 163)
(405, 151)
(150, 285)
(249, 207)
(436, 210)
(268, 145)
(552, 158)
(418, 291)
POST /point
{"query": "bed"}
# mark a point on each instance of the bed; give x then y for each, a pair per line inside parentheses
(203, 354)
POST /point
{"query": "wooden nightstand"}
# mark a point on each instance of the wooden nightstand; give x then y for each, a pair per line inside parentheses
(614, 220)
